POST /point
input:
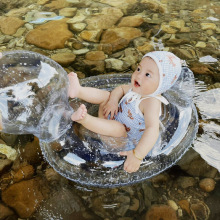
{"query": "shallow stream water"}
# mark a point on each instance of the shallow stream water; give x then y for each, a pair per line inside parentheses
(108, 36)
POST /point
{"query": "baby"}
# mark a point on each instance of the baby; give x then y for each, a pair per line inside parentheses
(132, 110)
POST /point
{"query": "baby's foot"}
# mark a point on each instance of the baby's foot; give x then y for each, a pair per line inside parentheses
(79, 114)
(74, 85)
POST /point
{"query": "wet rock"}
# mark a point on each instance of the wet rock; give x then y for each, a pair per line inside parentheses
(135, 204)
(200, 210)
(168, 29)
(5, 164)
(106, 19)
(184, 204)
(78, 18)
(95, 55)
(172, 204)
(24, 173)
(124, 5)
(57, 4)
(201, 44)
(68, 12)
(32, 152)
(8, 151)
(179, 24)
(146, 47)
(24, 197)
(154, 5)
(160, 179)
(62, 203)
(118, 38)
(201, 68)
(42, 2)
(5, 212)
(78, 27)
(91, 35)
(208, 26)
(81, 51)
(131, 21)
(185, 54)
(9, 25)
(131, 57)
(75, 43)
(207, 184)
(18, 12)
(150, 194)
(64, 59)
(158, 212)
(114, 64)
(80, 3)
(51, 35)
(175, 41)
(185, 181)
(94, 67)
(52, 175)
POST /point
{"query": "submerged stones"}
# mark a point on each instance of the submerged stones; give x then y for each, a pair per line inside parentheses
(51, 35)
(24, 197)
(9, 25)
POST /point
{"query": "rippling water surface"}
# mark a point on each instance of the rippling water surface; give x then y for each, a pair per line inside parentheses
(188, 28)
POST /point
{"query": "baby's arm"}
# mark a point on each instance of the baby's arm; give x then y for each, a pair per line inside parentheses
(151, 109)
(112, 104)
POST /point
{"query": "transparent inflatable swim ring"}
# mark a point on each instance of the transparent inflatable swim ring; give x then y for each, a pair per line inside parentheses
(91, 160)
(33, 99)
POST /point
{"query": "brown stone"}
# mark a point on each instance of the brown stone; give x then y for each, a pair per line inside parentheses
(58, 4)
(207, 184)
(64, 59)
(24, 197)
(186, 181)
(91, 35)
(32, 152)
(154, 5)
(106, 19)
(5, 164)
(51, 35)
(5, 211)
(128, 33)
(147, 47)
(24, 173)
(160, 212)
(200, 68)
(131, 21)
(200, 210)
(94, 67)
(184, 204)
(9, 25)
(95, 55)
(118, 38)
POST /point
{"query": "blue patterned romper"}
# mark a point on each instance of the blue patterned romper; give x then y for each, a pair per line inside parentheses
(132, 118)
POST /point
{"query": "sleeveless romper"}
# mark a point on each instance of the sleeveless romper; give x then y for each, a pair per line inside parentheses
(131, 117)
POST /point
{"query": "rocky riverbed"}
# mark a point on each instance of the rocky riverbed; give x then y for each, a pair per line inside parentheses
(101, 37)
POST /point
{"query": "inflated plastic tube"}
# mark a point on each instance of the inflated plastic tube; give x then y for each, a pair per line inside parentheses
(33, 99)
(93, 160)
(33, 95)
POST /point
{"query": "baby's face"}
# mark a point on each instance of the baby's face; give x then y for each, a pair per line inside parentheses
(145, 79)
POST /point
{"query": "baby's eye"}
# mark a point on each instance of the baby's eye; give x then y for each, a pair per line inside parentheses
(138, 69)
(148, 74)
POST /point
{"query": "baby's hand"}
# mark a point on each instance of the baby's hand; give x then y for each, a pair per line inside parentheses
(131, 164)
(110, 108)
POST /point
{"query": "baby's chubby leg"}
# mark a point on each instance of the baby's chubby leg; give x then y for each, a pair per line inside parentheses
(88, 94)
(98, 125)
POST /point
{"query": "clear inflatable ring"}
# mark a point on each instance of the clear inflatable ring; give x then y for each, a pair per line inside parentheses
(83, 157)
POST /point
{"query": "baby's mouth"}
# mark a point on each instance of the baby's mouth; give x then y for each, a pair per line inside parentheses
(136, 84)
